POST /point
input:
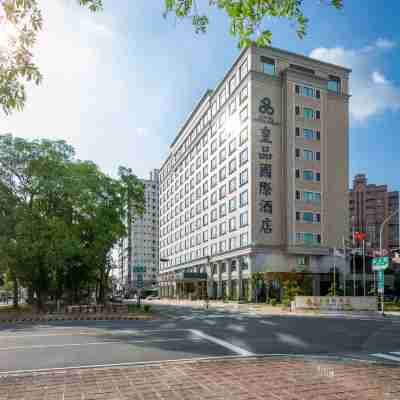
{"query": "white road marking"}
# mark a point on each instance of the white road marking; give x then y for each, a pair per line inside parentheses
(96, 333)
(44, 346)
(386, 356)
(223, 343)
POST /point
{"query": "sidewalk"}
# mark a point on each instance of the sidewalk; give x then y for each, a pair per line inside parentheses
(262, 308)
(233, 379)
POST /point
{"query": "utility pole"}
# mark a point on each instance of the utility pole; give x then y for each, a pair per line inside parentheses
(381, 248)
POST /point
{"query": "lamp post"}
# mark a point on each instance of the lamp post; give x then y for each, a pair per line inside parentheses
(385, 221)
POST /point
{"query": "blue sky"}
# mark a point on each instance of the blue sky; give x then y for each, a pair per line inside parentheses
(118, 85)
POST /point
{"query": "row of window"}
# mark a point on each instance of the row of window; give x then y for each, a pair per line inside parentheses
(308, 216)
(216, 104)
(308, 175)
(308, 238)
(309, 134)
(307, 91)
(307, 196)
(224, 245)
(307, 113)
(308, 155)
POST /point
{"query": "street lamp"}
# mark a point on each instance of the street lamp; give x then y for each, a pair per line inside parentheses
(385, 221)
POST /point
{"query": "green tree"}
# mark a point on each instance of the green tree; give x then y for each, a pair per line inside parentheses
(67, 217)
(248, 23)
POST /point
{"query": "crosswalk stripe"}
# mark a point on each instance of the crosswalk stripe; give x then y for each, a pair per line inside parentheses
(386, 356)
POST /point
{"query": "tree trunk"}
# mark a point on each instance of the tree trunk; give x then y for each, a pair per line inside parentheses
(15, 291)
(30, 295)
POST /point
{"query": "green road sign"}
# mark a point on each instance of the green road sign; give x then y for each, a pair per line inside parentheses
(139, 268)
(380, 263)
(381, 279)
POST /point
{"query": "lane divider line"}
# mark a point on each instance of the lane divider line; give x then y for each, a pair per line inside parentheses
(235, 349)
(386, 356)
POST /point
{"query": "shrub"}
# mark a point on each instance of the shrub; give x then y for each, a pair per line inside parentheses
(147, 308)
(273, 302)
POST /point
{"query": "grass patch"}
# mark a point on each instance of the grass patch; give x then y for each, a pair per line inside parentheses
(147, 308)
(10, 308)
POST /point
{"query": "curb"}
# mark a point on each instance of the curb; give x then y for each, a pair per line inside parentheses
(80, 317)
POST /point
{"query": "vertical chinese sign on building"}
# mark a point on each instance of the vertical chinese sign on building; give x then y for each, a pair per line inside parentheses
(264, 166)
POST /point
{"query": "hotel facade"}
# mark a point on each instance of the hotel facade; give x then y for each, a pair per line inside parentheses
(257, 178)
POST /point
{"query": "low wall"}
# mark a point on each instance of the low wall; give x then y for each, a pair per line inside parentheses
(337, 303)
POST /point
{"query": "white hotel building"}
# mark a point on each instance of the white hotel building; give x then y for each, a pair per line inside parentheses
(257, 177)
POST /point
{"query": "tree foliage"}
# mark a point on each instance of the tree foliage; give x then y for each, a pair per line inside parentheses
(248, 23)
(62, 218)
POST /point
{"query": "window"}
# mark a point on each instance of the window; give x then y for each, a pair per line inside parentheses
(297, 173)
(213, 130)
(311, 196)
(222, 119)
(244, 177)
(244, 198)
(222, 192)
(213, 249)
(308, 134)
(232, 204)
(318, 156)
(232, 185)
(243, 94)
(318, 135)
(243, 69)
(308, 217)
(222, 228)
(232, 146)
(308, 155)
(232, 84)
(297, 131)
(222, 155)
(205, 236)
(205, 219)
(222, 210)
(222, 137)
(243, 136)
(308, 113)
(308, 92)
(214, 232)
(244, 219)
(222, 246)
(232, 243)
(244, 239)
(317, 114)
(232, 106)
(214, 146)
(222, 174)
(232, 224)
(214, 163)
(334, 84)
(244, 114)
(318, 176)
(303, 260)
(205, 171)
(268, 65)
(297, 110)
(214, 181)
(205, 155)
(213, 197)
(308, 175)
(243, 157)
(297, 153)
(232, 165)
(205, 187)
(298, 195)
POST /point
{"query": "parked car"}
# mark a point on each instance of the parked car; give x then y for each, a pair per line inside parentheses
(153, 297)
(116, 299)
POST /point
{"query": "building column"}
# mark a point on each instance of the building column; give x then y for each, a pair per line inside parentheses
(229, 281)
(210, 281)
(250, 280)
(239, 279)
(316, 284)
(219, 282)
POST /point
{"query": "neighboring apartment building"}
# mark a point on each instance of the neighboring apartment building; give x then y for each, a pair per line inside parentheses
(257, 177)
(144, 240)
(369, 206)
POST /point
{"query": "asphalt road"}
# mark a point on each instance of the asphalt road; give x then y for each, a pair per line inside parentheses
(186, 334)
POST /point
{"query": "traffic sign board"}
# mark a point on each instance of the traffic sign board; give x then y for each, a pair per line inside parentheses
(381, 279)
(139, 281)
(139, 268)
(380, 263)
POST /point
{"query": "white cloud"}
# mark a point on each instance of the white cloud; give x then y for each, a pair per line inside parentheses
(372, 93)
(385, 43)
(378, 78)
